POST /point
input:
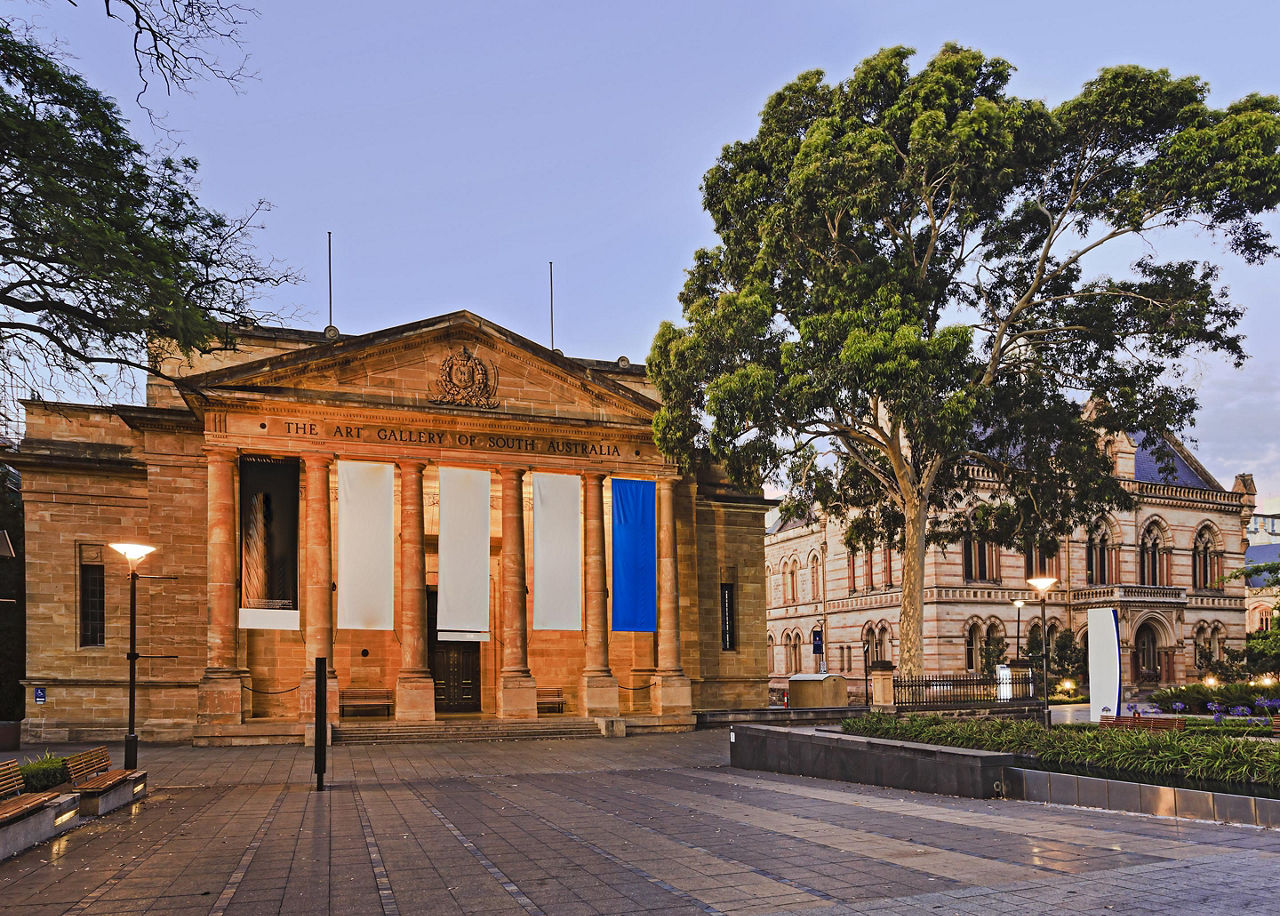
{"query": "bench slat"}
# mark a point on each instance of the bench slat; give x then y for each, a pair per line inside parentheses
(86, 763)
(18, 807)
(11, 782)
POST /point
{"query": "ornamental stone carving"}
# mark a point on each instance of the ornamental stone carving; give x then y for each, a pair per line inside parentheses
(466, 381)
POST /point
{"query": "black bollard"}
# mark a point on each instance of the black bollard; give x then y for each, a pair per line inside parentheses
(322, 702)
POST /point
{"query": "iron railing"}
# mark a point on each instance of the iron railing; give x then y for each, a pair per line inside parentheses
(963, 690)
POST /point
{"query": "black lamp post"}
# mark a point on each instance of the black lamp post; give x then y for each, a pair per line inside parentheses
(134, 553)
(1042, 584)
(1017, 633)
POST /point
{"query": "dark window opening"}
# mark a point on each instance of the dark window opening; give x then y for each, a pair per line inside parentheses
(93, 604)
(728, 618)
(269, 533)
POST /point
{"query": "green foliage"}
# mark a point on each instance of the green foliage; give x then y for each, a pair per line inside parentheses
(106, 247)
(1197, 697)
(903, 296)
(995, 651)
(1233, 666)
(44, 772)
(1262, 651)
(1144, 756)
(1069, 658)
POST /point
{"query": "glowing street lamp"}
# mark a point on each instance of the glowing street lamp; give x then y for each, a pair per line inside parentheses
(135, 554)
(1042, 584)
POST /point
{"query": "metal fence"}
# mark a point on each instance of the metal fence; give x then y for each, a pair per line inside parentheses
(962, 690)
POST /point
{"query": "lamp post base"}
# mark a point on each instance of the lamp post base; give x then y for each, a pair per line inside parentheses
(131, 751)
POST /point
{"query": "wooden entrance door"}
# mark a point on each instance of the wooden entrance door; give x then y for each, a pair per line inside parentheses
(455, 666)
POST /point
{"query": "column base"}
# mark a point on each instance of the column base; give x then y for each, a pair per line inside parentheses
(672, 695)
(599, 696)
(220, 696)
(307, 698)
(517, 697)
(415, 698)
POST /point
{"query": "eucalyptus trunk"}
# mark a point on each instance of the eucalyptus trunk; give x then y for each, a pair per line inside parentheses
(911, 615)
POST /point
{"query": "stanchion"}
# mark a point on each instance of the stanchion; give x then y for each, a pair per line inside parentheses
(322, 702)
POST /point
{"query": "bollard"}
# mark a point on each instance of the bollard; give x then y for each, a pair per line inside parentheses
(322, 701)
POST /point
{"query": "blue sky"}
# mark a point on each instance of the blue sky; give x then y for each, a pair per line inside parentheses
(455, 148)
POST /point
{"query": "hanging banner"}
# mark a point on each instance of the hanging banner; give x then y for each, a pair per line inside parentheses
(1104, 663)
(464, 556)
(635, 556)
(366, 545)
(557, 552)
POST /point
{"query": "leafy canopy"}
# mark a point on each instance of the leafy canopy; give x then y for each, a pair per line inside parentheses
(899, 312)
(103, 247)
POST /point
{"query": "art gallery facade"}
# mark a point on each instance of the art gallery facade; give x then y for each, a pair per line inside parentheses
(443, 510)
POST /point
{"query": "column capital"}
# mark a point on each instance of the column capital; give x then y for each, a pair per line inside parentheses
(508, 473)
(317, 459)
(411, 464)
(221, 452)
(596, 476)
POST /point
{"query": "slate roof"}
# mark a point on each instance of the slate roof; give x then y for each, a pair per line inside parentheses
(1261, 553)
(1187, 472)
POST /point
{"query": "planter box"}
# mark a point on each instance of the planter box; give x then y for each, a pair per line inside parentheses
(830, 754)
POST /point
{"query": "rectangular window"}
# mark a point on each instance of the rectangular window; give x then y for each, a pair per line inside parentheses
(269, 534)
(728, 618)
(93, 596)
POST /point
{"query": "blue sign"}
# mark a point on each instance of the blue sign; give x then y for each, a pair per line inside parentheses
(40, 696)
(817, 642)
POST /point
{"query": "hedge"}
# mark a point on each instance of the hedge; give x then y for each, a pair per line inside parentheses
(43, 773)
(1144, 756)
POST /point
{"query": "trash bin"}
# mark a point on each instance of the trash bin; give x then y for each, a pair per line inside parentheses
(817, 691)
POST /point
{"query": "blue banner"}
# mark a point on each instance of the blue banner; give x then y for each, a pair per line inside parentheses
(635, 556)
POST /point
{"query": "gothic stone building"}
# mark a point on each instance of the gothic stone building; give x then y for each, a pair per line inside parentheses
(1161, 567)
(444, 511)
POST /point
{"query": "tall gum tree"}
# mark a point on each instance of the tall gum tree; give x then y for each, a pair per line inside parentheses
(898, 313)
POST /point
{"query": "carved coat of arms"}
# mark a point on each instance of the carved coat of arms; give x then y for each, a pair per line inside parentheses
(466, 381)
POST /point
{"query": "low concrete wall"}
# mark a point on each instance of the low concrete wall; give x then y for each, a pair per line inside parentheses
(823, 715)
(54, 817)
(134, 787)
(830, 754)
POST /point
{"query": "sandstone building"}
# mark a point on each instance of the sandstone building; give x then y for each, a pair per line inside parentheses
(313, 497)
(1161, 567)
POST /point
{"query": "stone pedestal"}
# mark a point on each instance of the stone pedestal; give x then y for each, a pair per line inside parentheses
(517, 698)
(415, 697)
(599, 696)
(882, 686)
(672, 695)
(220, 697)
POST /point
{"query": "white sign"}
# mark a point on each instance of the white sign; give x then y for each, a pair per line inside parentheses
(1004, 683)
(1104, 663)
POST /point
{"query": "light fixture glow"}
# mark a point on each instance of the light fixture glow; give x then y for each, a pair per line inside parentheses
(1211, 681)
(1042, 584)
(134, 553)
(1019, 603)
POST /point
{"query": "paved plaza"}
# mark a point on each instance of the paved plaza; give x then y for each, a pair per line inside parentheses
(653, 824)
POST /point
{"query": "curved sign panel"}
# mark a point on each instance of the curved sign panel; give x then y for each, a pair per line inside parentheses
(1104, 663)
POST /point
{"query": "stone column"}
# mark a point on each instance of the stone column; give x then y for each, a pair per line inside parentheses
(219, 696)
(415, 690)
(319, 588)
(672, 695)
(517, 695)
(599, 686)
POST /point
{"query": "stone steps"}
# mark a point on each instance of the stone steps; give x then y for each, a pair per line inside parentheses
(483, 730)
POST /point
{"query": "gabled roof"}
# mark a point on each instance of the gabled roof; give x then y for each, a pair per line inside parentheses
(1186, 471)
(288, 372)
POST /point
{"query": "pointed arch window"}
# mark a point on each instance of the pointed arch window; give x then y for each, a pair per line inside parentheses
(973, 647)
(1099, 564)
(815, 590)
(981, 559)
(1206, 561)
(793, 596)
(1151, 557)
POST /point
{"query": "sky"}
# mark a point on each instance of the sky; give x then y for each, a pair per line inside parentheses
(454, 149)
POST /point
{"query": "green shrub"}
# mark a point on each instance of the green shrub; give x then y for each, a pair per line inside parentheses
(1195, 755)
(44, 773)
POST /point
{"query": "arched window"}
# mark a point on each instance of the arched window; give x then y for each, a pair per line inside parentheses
(888, 567)
(853, 571)
(1053, 637)
(1206, 562)
(1097, 558)
(792, 582)
(1150, 556)
(973, 647)
(773, 661)
(883, 643)
(1202, 641)
(981, 559)
(868, 569)
(1040, 560)
(768, 590)
(870, 647)
(815, 590)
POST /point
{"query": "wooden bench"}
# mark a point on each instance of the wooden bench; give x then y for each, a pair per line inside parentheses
(366, 698)
(22, 803)
(1147, 723)
(90, 771)
(550, 699)
(100, 788)
(1275, 726)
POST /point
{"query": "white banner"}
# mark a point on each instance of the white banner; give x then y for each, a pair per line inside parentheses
(463, 608)
(1104, 663)
(366, 545)
(261, 618)
(557, 552)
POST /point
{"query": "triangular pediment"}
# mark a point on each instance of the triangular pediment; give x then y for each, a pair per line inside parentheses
(455, 363)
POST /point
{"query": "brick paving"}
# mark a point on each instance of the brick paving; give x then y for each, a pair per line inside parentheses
(651, 824)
